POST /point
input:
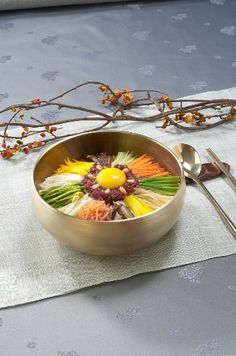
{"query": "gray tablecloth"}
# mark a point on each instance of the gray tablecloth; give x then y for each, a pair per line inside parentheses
(182, 47)
(28, 4)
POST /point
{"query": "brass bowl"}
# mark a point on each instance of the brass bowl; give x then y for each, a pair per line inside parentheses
(107, 237)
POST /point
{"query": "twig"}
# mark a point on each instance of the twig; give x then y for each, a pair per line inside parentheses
(184, 114)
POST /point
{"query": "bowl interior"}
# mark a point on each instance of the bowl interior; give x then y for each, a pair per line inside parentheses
(110, 142)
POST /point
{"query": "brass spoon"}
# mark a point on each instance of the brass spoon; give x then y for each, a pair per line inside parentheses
(191, 163)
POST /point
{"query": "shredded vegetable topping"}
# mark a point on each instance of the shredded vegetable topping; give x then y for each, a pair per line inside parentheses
(154, 200)
(144, 166)
(60, 179)
(97, 210)
(137, 205)
(74, 207)
(163, 185)
(123, 158)
(77, 167)
(61, 196)
(107, 187)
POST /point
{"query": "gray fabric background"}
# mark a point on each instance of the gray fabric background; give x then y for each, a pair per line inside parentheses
(182, 47)
(25, 4)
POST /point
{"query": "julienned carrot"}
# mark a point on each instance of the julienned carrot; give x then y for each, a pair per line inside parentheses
(97, 210)
(144, 166)
(161, 174)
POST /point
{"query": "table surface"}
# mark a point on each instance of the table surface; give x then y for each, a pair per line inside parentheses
(181, 47)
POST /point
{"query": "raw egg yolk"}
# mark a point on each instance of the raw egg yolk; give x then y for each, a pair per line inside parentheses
(111, 178)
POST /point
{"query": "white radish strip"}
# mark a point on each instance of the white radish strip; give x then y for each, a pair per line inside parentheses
(58, 180)
(74, 208)
(153, 199)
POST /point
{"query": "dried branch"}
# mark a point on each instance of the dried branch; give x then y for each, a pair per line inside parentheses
(184, 114)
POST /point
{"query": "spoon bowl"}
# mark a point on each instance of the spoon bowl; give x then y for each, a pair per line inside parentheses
(189, 158)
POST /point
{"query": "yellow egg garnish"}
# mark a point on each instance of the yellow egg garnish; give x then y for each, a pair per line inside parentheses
(111, 178)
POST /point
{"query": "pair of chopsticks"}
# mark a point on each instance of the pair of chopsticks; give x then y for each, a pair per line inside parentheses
(221, 166)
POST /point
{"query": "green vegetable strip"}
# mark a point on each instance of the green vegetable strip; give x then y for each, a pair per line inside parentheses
(161, 191)
(161, 179)
(54, 191)
(61, 188)
(159, 186)
(62, 193)
(60, 196)
(162, 185)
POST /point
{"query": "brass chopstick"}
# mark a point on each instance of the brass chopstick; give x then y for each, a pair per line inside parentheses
(221, 166)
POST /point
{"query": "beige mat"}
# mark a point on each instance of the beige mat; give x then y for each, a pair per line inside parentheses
(34, 266)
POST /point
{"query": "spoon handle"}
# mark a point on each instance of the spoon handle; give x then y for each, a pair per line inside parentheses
(224, 217)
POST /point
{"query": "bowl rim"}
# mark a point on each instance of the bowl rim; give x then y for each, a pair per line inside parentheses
(125, 221)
